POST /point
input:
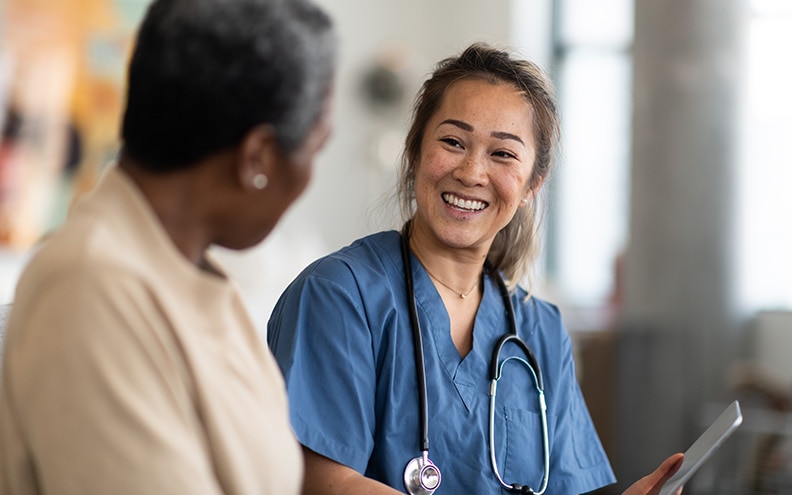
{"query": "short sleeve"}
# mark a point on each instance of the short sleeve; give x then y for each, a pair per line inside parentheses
(581, 462)
(321, 338)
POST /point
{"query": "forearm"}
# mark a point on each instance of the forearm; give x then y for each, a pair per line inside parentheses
(324, 476)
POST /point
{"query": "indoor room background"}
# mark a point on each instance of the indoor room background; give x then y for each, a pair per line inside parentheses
(668, 232)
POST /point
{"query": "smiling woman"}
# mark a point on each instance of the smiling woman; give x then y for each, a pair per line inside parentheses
(516, 246)
(474, 172)
(425, 314)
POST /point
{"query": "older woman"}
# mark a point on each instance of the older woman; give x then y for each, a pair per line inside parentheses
(131, 366)
(424, 337)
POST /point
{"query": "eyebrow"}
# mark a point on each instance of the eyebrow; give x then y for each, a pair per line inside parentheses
(496, 134)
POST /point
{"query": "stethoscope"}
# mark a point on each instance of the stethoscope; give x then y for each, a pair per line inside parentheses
(421, 475)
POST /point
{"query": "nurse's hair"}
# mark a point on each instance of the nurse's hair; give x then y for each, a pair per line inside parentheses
(516, 246)
(204, 73)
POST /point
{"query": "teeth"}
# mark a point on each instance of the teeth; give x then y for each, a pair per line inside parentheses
(461, 203)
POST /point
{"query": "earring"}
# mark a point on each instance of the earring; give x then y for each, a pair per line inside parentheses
(260, 181)
(524, 201)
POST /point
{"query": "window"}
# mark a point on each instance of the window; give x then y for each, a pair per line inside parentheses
(765, 164)
(589, 214)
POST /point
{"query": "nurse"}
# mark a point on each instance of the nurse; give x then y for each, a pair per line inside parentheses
(480, 147)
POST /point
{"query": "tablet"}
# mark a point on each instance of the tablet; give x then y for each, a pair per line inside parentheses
(702, 449)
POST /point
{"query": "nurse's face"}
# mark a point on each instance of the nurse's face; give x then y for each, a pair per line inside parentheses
(476, 159)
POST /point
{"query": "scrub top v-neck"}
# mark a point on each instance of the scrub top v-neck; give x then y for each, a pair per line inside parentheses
(341, 334)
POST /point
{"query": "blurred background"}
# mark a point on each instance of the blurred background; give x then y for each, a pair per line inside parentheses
(669, 221)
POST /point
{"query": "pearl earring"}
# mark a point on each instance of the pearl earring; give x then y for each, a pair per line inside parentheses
(260, 181)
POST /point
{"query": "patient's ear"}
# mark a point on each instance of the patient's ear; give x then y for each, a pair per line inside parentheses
(258, 157)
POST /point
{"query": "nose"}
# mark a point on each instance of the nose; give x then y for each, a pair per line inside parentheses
(472, 170)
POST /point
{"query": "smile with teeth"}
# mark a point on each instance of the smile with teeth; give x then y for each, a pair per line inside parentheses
(462, 203)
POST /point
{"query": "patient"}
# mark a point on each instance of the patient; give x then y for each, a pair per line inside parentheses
(131, 366)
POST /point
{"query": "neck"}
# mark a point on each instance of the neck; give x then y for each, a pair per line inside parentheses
(176, 200)
(453, 269)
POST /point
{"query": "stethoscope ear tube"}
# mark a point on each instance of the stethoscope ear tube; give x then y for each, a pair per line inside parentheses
(515, 487)
(511, 337)
(495, 369)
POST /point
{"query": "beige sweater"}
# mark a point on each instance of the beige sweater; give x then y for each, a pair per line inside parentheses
(129, 371)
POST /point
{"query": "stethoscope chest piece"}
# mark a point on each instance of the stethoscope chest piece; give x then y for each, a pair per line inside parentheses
(421, 476)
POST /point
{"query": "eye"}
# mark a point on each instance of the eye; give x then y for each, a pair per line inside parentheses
(451, 142)
(504, 154)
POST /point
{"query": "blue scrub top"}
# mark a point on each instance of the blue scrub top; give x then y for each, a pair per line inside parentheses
(342, 336)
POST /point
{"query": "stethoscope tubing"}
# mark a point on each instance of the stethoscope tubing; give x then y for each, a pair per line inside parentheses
(496, 369)
(543, 415)
(417, 345)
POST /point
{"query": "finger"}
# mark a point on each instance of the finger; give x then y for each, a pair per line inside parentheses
(668, 468)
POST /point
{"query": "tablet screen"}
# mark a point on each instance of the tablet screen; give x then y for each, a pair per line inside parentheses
(704, 446)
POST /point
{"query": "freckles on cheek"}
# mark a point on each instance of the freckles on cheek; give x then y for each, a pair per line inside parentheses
(432, 164)
(425, 174)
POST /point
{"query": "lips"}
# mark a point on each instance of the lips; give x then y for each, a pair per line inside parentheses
(464, 204)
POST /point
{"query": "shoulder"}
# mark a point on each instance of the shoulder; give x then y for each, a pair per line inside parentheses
(357, 284)
(540, 321)
(535, 308)
(366, 260)
(71, 257)
(108, 233)
(78, 258)
(91, 268)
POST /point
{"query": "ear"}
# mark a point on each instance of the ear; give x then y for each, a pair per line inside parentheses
(531, 192)
(258, 157)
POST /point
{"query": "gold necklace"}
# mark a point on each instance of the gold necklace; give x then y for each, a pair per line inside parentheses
(460, 294)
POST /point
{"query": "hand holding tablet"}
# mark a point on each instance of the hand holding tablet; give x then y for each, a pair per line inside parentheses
(704, 446)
